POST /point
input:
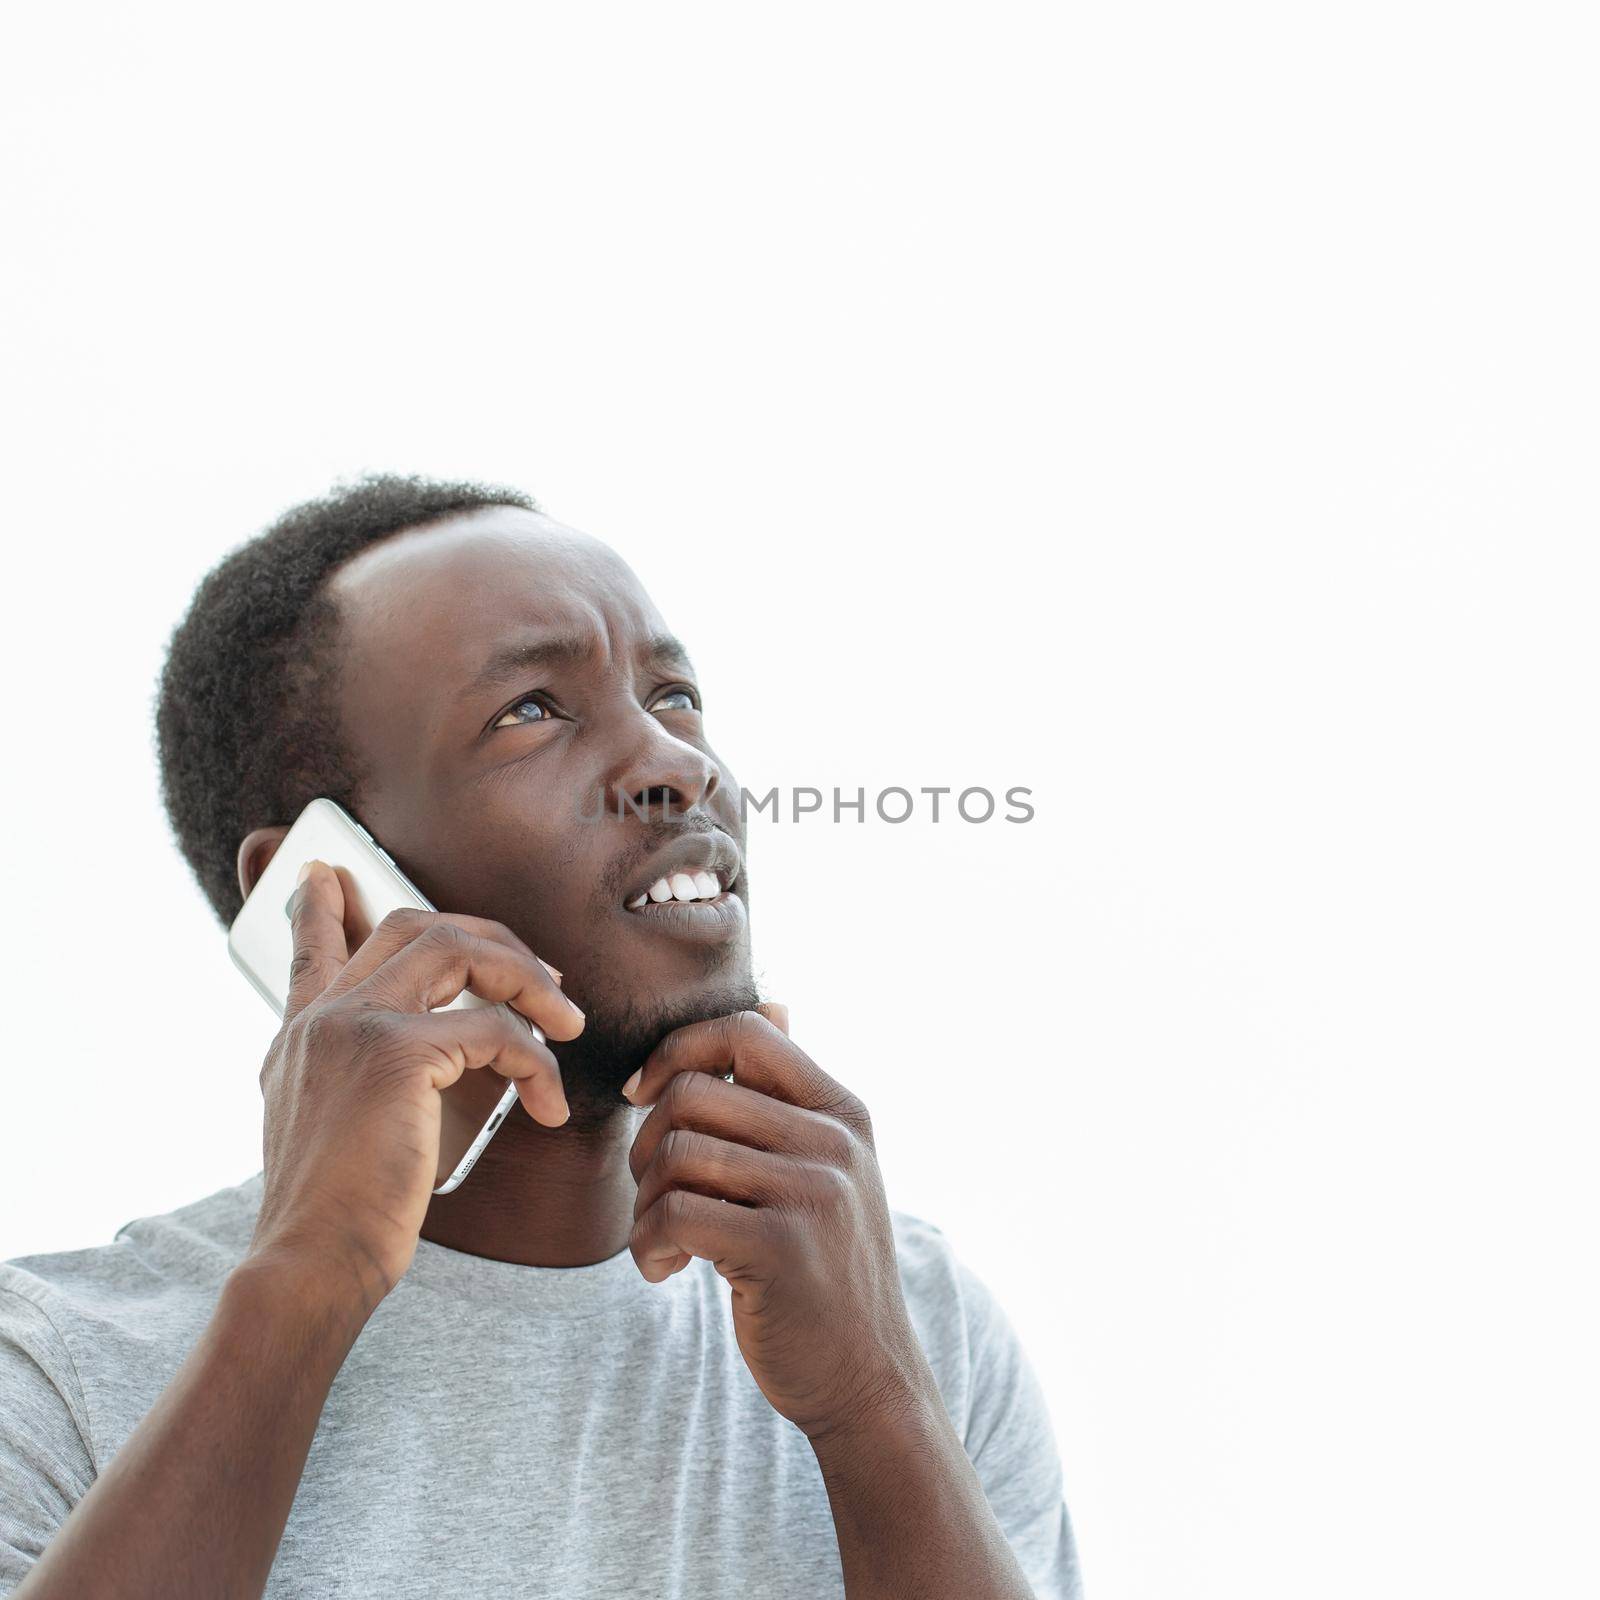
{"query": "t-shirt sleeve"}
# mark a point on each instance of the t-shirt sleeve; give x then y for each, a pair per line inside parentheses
(45, 1465)
(1011, 1444)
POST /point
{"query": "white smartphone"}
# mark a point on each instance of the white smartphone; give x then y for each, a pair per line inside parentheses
(261, 944)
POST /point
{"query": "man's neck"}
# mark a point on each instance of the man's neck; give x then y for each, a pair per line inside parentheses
(544, 1197)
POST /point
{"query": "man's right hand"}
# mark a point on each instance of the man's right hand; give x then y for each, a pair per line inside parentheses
(352, 1086)
(352, 1081)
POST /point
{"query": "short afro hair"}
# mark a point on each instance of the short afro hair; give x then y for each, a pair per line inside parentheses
(247, 720)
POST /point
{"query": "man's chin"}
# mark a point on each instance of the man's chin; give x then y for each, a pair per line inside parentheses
(617, 1040)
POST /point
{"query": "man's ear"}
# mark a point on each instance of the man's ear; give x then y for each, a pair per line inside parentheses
(256, 849)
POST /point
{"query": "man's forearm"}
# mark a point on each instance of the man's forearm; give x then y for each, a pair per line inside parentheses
(910, 1513)
(195, 1501)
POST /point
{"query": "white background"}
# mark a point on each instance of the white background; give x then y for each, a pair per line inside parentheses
(1187, 412)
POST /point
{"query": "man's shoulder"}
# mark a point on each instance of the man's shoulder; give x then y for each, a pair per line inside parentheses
(943, 1295)
(190, 1248)
(921, 1247)
(963, 1331)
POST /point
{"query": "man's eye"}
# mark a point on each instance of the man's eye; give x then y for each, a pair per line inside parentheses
(676, 700)
(540, 709)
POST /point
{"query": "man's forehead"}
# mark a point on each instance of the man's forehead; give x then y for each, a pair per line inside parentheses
(450, 590)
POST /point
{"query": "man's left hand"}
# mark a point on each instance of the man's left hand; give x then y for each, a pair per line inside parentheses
(774, 1180)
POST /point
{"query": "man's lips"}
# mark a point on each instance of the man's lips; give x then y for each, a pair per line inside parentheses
(698, 869)
(707, 921)
(690, 888)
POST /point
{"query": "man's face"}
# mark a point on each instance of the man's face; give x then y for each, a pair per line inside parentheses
(517, 701)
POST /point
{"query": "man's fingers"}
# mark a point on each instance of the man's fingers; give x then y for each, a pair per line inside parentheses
(760, 1057)
(704, 1104)
(404, 923)
(704, 1164)
(488, 1037)
(416, 960)
(316, 922)
(777, 1013)
(443, 957)
(681, 1225)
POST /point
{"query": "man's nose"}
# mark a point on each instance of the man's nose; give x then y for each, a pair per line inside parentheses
(660, 775)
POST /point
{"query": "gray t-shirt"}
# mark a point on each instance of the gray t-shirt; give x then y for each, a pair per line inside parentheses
(507, 1430)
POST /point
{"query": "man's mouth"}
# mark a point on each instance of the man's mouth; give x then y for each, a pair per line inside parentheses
(692, 888)
(681, 887)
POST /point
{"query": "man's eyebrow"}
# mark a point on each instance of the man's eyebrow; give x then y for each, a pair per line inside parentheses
(662, 650)
(518, 657)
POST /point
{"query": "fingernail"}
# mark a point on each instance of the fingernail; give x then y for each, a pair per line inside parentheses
(555, 972)
(304, 873)
(632, 1084)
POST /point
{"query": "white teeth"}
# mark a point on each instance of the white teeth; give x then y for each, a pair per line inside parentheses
(681, 886)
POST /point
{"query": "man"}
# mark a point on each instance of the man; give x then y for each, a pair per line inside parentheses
(328, 1381)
